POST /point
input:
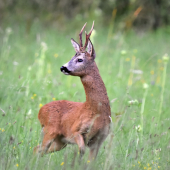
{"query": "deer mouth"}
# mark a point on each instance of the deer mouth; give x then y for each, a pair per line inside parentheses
(65, 70)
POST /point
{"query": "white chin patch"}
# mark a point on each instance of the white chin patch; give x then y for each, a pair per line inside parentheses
(65, 72)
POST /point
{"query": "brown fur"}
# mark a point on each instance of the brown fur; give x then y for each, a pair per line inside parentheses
(85, 124)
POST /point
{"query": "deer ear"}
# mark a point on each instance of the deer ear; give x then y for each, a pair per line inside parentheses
(75, 45)
(90, 49)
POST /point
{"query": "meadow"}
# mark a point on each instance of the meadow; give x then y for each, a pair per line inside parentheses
(135, 70)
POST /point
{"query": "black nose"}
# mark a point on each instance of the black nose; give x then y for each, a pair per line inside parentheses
(63, 68)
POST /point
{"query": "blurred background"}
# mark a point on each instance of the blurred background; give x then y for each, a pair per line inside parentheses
(123, 14)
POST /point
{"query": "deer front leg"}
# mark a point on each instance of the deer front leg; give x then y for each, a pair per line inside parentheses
(93, 152)
(94, 148)
(80, 142)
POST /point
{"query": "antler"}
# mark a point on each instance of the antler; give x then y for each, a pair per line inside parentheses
(88, 36)
(80, 35)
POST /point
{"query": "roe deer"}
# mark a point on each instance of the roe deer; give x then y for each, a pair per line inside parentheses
(85, 124)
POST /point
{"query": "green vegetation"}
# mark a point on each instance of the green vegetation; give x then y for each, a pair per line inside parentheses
(134, 73)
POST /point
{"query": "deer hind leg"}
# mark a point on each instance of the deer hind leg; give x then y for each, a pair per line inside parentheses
(48, 139)
(56, 145)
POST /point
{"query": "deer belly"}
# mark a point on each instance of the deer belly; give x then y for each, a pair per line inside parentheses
(69, 140)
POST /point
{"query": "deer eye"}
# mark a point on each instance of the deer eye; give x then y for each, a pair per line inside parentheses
(80, 60)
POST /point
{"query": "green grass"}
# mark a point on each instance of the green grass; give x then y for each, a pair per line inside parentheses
(30, 76)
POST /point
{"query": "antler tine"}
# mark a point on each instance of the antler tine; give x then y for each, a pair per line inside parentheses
(80, 35)
(88, 36)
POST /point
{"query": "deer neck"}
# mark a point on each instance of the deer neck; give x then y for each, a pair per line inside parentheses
(96, 94)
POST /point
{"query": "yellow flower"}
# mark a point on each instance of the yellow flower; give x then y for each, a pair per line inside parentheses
(40, 105)
(152, 94)
(0, 128)
(35, 95)
(149, 168)
(127, 59)
(138, 162)
(55, 55)
(49, 71)
(32, 97)
(88, 161)
(158, 166)
(159, 61)
(17, 165)
(152, 72)
(145, 168)
(53, 98)
(3, 130)
(161, 68)
(148, 164)
(14, 147)
(62, 164)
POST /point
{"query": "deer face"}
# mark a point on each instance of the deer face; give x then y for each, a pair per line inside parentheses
(80, 64)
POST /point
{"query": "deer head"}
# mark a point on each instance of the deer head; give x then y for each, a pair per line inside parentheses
(80, 64)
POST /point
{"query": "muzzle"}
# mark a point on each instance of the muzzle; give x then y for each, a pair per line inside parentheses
(64, 69)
